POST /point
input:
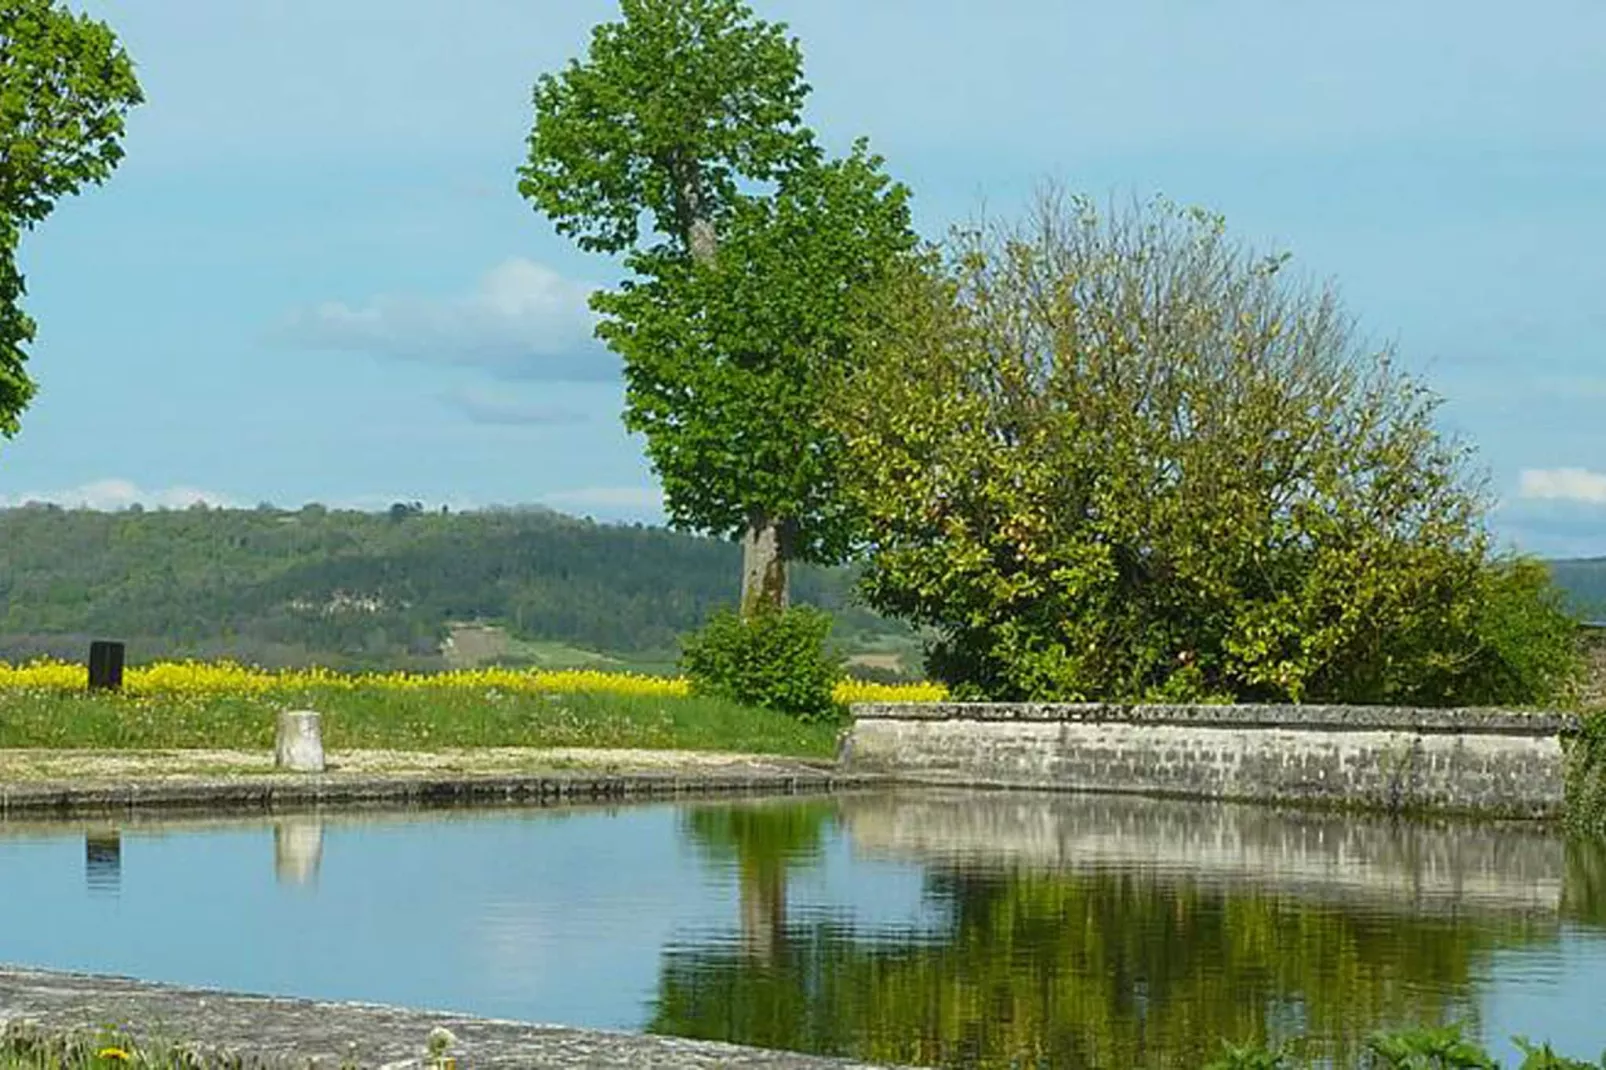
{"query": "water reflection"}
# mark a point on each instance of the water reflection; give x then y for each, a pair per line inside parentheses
(297, 849)
(763, 841)
(103, 861)
(1099, 931)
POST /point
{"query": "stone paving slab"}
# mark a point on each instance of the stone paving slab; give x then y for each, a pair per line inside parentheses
(293, 1032)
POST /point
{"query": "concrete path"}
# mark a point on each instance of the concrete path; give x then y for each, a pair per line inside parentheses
(267, 1032)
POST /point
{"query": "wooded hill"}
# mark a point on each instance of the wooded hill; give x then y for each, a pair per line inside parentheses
(1584, 580)
(386, 590)
(359, 590)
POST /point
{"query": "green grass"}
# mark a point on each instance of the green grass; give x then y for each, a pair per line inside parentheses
(388, 719)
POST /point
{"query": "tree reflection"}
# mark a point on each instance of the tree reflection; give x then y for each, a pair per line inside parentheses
(1091, 969)
(763, 841)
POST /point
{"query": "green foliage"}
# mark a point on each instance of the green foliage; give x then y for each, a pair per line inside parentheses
(65, 87)
(1586, 776)
(1528, 643)
(1542, 1057)
(1125, 459)
(688, 113)
(1420, 1048)
(676, 107)
(360, 590)
(772, 659)
(1248, 1057)
(727, 363)
(1429, 1048)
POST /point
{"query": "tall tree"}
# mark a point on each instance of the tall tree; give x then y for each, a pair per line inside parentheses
(66, 85)
(687, 114)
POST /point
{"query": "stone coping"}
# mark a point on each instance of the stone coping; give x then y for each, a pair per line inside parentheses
(262, 1031)
(1316, 718)
(269, 793)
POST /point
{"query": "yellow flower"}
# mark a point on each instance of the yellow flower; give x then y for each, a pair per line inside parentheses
(851, 691)
(115, 1054)
(202, 680)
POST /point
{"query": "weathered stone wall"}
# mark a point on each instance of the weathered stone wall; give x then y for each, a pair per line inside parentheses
(1473, 761)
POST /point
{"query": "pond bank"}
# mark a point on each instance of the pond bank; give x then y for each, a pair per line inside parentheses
(277, 1032)
(66, 782)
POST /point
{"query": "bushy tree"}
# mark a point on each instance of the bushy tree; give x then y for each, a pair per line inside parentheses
(65, 87)
(775, 659)
(685, 116)
(1122, 457)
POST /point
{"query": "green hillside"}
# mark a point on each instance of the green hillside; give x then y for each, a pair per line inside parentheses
(1584, 580)
(356, 590)
(387, 590)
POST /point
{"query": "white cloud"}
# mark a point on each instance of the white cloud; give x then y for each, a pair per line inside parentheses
(112, 494)
(1563, 484)
(496, 407)
(524, 320)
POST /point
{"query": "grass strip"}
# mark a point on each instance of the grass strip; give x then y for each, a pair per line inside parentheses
(380, 718)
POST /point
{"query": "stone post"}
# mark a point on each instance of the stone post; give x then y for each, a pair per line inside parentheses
(299, 748)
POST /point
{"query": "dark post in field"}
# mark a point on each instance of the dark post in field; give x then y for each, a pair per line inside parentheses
(105, 665)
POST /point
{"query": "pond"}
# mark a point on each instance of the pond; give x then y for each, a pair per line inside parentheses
(943, 929)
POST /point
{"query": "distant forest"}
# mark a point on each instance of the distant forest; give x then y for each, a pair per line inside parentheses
(1584, 580)
(382, 590)
(370, 590)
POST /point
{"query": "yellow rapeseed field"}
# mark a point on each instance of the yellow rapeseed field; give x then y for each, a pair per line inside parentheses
(197, 679)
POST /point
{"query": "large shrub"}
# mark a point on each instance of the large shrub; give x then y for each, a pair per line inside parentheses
(774, 658)
(1125, 458)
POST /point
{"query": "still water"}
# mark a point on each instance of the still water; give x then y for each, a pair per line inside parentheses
(942, 929)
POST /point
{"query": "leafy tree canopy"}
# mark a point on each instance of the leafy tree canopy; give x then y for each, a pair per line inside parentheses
(727, 364)
(676, 105)
(1125, 458)
(65, 87)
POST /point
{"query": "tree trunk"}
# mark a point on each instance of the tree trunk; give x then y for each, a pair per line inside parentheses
(763, 913)
(767, 542)
(766, 548)
(704, 242)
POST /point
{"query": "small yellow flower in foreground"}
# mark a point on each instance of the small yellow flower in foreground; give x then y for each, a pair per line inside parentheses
(116, 1054)
(440, 1041)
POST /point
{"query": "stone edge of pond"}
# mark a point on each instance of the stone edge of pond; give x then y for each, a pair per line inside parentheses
(1480, 720)
(270, 792)
(228, 1028)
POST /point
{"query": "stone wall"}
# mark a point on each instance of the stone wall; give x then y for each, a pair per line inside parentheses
(1474, 761)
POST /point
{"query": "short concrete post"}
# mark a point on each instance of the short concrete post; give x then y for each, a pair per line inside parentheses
(300, 743)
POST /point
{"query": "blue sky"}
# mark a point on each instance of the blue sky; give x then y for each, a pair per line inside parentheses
(313, 278)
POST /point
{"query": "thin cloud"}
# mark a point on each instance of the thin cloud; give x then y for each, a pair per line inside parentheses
(523, 321)
(630, 502)
(496, 409)
(1563, 484)
(108, 495)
